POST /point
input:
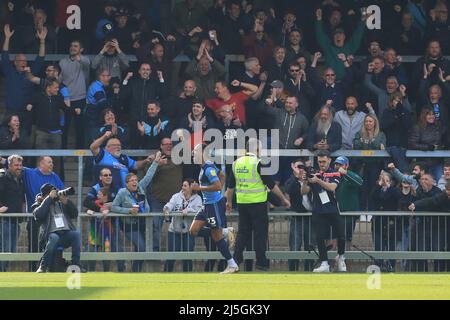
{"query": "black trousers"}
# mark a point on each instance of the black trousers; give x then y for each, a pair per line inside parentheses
(253, 218)
(78, 120)
(321, 223)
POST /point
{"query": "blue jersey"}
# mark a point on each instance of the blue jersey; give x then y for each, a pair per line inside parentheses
(208, 176)
(34, 179)
(119, 166)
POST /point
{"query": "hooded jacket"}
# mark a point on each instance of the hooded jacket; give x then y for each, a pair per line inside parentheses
(42, 214)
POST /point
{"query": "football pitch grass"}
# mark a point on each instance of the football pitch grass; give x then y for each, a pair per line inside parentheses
(241, 286)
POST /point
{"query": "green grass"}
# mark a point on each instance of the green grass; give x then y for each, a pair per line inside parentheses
(239, 286)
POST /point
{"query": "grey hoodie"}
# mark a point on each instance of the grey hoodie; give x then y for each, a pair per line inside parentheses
(349, 128)
(291, 126)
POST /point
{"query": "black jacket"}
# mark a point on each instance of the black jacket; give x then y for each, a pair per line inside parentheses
(395, 124)
(292, 187)
(12, 193)
(334, 136)
(41, 212)
(136, 94)
(47, 111)
(438, 202)
(6, 139)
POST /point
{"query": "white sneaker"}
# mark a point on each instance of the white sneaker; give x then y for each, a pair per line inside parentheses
(231, 238)
(230, 270)
(340, 263)
(324, 267)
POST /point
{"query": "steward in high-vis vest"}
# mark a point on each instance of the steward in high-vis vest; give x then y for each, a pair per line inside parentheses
(251, 195)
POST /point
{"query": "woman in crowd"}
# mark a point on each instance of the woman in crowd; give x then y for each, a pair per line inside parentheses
(428, 135)
(133, 200)
(386, 198)
(110, 124)
(12, 135)
(186, 201)
(370, 138)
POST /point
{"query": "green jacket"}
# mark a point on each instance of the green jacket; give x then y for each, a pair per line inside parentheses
(375, 144)
(347, 194)
(331, 52)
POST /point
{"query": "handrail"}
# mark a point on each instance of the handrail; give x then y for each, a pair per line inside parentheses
(273, 152)
(184, 58)
(235, 213)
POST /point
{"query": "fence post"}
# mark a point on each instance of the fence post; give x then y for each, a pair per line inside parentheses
(149, 233)
(80, 188)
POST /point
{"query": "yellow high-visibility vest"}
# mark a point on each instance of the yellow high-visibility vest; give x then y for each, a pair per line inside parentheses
(249, 185)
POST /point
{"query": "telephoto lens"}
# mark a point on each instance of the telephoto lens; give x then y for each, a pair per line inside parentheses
(70, 191)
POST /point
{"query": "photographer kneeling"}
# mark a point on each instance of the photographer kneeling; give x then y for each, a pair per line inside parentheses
(53, 211)
(325, 211)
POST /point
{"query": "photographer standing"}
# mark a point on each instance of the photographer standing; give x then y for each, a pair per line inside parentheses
(325, 211)
(53, 211)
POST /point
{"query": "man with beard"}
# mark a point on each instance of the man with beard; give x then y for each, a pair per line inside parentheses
(112, 157)
(294, 47)
(12, 200)
(417, 172)
(324, 134)
(433, 60)
(351, 121)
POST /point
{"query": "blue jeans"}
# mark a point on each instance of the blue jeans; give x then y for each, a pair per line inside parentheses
(156, 206)
(299, 234)
(65, 239)
(137, 237)
(8, 238)
(179, 242)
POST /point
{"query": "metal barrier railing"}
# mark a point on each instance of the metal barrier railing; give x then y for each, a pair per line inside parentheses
(80, 154)
(404, 237)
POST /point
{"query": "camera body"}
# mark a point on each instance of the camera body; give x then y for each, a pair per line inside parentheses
(310, 171)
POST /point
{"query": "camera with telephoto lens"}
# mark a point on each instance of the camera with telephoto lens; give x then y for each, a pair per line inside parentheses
(310, 171)
(70, 191)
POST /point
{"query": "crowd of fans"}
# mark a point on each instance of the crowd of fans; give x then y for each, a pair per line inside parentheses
(300, 77)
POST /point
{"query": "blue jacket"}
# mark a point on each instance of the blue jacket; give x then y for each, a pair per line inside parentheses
(96, 101)
(19, 90)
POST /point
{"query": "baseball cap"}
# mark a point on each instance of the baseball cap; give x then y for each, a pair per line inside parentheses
(104, 28)
(407, 179)
(338, 30)
(277, 84)
(342, 160)
(122, 11)
(46, 188)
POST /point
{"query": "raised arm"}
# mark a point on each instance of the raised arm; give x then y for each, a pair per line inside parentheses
(249, 89)
(95, 146)
(42, 34)
(8, 36)
(31, 77)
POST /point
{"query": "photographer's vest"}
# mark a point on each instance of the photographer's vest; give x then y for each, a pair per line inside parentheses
(249, 185)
